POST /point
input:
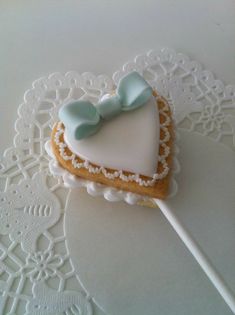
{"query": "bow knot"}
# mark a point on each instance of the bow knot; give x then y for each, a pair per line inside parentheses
(82, 119)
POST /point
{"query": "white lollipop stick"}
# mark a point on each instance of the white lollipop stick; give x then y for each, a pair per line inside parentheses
(198, 254)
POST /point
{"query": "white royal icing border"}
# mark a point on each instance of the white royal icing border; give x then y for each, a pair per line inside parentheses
(110, 193)
(113, 175)
(93, 188)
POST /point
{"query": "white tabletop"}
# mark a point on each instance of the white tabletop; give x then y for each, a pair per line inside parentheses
(38, 38)
(41, 37)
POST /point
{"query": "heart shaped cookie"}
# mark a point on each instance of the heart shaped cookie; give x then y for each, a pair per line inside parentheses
(124, 142)
(122, 138)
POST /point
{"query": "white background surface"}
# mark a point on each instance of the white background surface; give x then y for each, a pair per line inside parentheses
(38, 38)
(41, 37)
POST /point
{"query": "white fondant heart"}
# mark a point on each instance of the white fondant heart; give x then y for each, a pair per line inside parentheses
(128, 142)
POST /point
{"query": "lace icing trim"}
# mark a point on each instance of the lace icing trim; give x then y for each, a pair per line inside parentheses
(162, 158)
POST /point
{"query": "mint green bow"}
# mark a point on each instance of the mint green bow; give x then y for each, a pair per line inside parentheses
(82, 119)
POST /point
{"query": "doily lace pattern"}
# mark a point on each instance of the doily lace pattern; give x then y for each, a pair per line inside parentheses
(201, 103)
(36, 271)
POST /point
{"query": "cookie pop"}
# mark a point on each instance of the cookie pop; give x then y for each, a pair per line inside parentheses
(123, 148)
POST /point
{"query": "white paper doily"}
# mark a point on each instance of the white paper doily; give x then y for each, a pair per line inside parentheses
(36, 271)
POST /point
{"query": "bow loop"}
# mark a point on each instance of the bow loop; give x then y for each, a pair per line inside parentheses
(82, 119)
(133, 91)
